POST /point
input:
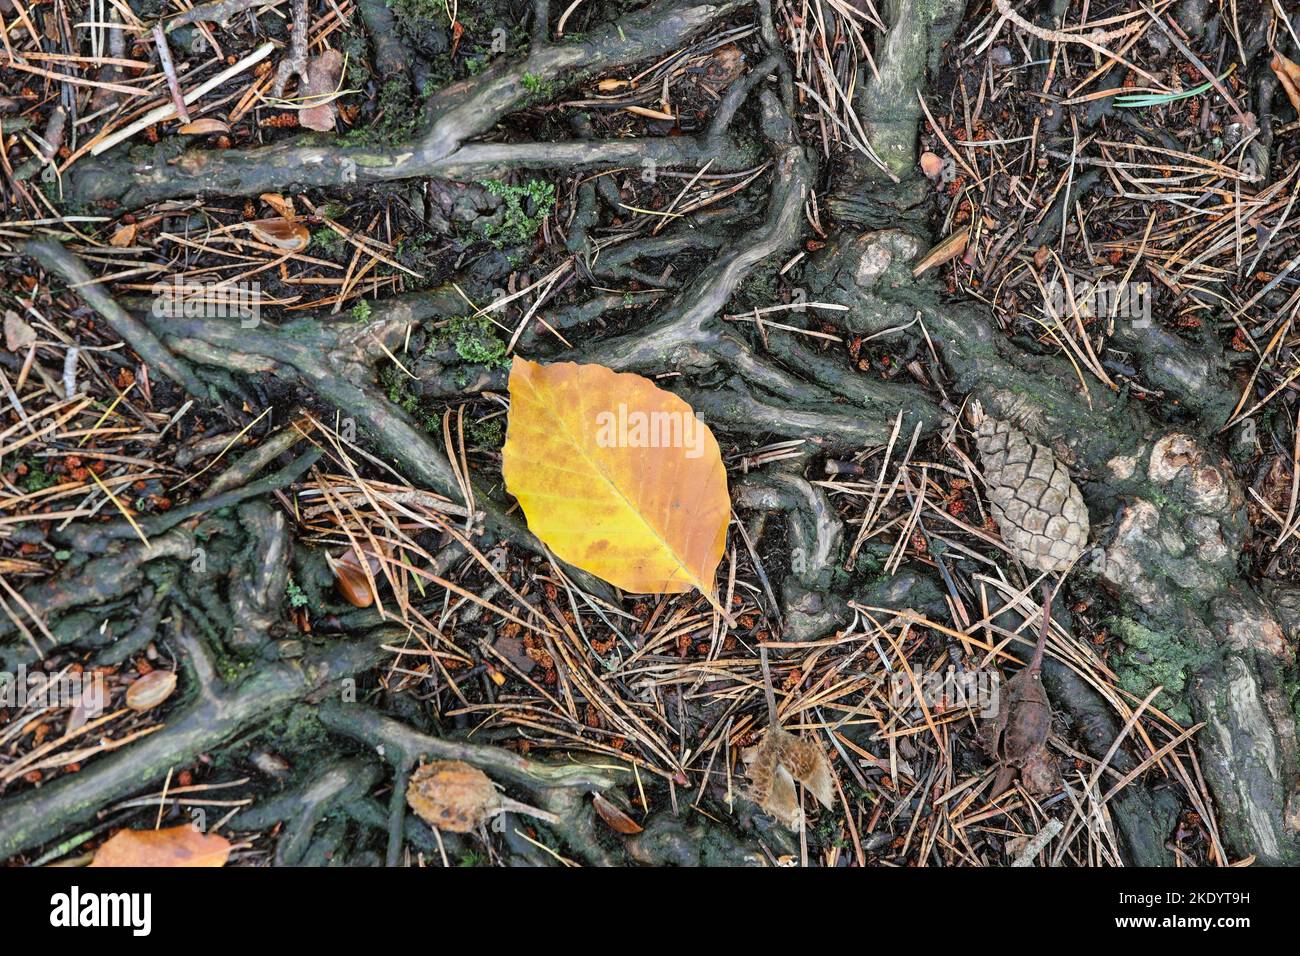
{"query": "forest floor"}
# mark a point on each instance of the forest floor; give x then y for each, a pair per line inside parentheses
(229, 506)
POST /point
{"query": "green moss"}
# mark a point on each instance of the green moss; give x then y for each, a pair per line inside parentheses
(397, 386)
(411, 12)
(1152, 658)
(761, 287)
(297, 597)
(525, 208)
(231, 669)
(298, 730)
(326, 239)
(475, 340)
(36, 478)
(488, 432)
(355, 49)
(538, 88)
(399, 116)
(361, 311)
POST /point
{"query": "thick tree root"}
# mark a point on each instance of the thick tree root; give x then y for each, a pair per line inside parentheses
(453, 116)
(216, 715)
(558, 787)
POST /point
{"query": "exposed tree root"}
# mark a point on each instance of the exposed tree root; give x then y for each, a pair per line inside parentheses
(453, 116)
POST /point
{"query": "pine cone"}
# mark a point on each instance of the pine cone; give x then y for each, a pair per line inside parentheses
(1036, 504)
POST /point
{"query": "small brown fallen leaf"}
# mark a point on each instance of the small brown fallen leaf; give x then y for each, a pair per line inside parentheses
(724, 67)
(612, 85)
(178, 846)
(618, 821)
(282, 205)
(150, 690)
(1288, 74)
(776, 764)
(324, 73)
(931, 165)
(19, 336)
(203, 127)
(124, 235)
(351, 579)
(289, 236)
(949, 248)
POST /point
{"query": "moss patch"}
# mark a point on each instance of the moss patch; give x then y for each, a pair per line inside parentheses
(525, 208)
(475, 340)
(1152, 658)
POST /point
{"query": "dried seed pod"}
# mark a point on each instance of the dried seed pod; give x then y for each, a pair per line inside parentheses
(774, 767)
(150, 690)
(451, 795)
(1036, 504)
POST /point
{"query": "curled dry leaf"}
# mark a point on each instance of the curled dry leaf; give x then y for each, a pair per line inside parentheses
(931, 165)
(177, 846)
(19, 336)
(724, 67)
(124, 235)
(204, 127)
(150, 690)
(324, 74)
(455, 796)
(282, 205)
(351, 577)
(289, 236)
(651, 114)
(781, 760)
(451, 795)
(1017, 740)
(617, 476)
(618, 821)
(949, 248)
(1288, 74)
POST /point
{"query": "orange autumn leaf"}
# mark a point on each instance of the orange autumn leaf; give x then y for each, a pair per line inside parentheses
(616, 476)
(177, 846)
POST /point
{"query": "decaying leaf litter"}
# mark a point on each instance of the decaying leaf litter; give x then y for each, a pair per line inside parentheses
(505, 649)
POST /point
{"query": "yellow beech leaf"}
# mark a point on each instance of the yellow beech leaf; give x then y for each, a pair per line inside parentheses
(178, 846)
(616, 476)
